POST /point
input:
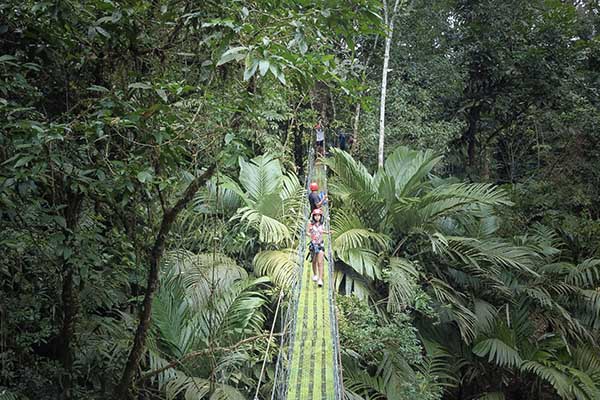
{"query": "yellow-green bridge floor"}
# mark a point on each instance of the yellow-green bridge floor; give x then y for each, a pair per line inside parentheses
(312, 368)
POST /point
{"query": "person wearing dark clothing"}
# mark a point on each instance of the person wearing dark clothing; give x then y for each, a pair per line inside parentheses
(314, 198)
(342, 140)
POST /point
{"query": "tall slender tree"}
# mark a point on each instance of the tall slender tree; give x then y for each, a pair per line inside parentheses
(389, 23)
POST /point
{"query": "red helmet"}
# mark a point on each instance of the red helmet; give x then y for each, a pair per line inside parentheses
(317, 211)
(313, 186)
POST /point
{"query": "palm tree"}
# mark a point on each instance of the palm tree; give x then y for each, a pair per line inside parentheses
(403, 233)
(208, 315)
(386, 219)
(272, 209)
(271, 199)
(207, 325)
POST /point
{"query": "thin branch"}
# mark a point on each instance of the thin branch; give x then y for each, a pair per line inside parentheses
(199, 353)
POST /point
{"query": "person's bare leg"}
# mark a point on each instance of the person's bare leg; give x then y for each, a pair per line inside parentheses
(315, 266)
(321, 262)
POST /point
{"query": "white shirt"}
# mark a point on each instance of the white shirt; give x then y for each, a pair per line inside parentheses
(320, 134)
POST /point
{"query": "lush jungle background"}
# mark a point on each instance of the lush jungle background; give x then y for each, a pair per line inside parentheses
(152, 164)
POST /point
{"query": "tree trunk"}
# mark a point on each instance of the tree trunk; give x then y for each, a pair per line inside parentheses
(485, 163)
(389, 22)
(471, 134)
(67, 330)
(357, 110)
(69, 296)
(122, 389)
(298, 150)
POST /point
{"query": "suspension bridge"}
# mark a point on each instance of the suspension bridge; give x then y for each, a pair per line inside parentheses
(308, 364)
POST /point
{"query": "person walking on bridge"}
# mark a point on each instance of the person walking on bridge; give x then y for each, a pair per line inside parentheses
(317, 246)
(320, 139)
(314, 198)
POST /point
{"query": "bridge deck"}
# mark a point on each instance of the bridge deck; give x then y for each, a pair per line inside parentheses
(312, 362)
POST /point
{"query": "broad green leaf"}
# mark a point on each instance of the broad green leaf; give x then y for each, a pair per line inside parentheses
(162, 94)
(251, 69)
(97, 88)
(140, 85)
(103, 32)
(23, 161)
(145, 176)
(499, 352)
(236, 53)
(263, 67)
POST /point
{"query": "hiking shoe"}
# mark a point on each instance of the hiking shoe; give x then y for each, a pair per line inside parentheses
(320, 283)
(315, 278)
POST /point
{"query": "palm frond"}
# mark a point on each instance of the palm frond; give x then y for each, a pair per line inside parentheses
(496, 252)
(364, 261)
(402, 280)
(486, 316)
(358, 384)
(270, 205)
(559, 381)
(498, 352)
(216, 200)
(479, 222)
(189, 387)
(156, 361)
(203, 274)
(587, 358)
(291, 187)
(350, 232)
(349, 172)
(280, 265)
(438, 364)
(231, 312)
(273, 200)
(226, 392)
(238, 311)
(569, 379)
(453, 310)
(557, 315)
(448, 199)
(175, 327)
(7, 394)
(269, 229)
(261, 176)
(486, 226)
(543, 239)
(585, 275)
(409, 167)
(230, 185)
(349, 282)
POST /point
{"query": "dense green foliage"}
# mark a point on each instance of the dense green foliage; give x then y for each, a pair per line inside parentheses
(369, 339)
(152, 155)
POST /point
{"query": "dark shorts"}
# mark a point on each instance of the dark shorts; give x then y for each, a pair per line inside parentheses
(319, 143)
(316, 248)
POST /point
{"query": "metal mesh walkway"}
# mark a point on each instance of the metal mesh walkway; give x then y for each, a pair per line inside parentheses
(308, 363)
(312, 374)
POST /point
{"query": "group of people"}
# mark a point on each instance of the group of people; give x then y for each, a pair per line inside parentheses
(316, 231)
(316, 227)
(344, 140)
